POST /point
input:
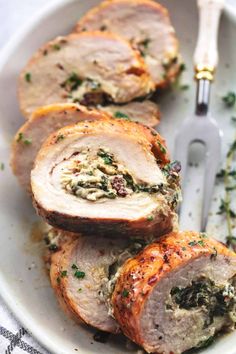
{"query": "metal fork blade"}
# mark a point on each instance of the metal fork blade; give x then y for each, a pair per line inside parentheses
(205, 130)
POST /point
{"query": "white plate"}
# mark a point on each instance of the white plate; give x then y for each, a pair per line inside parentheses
(27, 291)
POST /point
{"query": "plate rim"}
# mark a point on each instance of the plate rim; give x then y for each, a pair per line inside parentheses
(6, 52)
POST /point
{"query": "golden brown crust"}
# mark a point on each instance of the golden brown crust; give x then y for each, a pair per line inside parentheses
(140, 274)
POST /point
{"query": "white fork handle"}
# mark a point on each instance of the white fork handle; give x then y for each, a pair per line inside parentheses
(206, 52)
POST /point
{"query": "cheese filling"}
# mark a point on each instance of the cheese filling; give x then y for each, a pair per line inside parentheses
(204, 295)
(94, 176)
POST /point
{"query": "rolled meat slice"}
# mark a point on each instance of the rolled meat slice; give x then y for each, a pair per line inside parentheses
(80, 271)
(43, 122)
(176, 294)
(145, 112)
(146, 24)
(106, 175)
(88, 68)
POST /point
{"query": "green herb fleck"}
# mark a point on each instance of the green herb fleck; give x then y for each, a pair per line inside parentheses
(74, 266)
(192, 243)
(125, 293)
(63, 273)
(72, 83)
(184, 87)
(2, 166)
(122, 115)
(229, 99)
(58, 280)
(150, 218)
(162, 148)
(78, 274)
(56, 46)
(107, 158)
(182, 67)
(53, 247)
(79, 290)
(183, 248)
(23, 139)
(59, 138)
(28, 77)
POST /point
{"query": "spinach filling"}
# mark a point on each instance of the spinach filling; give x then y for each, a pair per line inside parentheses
(100, 176)
(215, 300)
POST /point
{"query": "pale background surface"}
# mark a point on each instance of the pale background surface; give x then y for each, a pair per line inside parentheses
(13, 15)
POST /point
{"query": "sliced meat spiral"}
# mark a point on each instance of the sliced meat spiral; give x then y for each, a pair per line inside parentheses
(87, 68)
(145, 112)
(146, 24)
(44, 121)
(105, 175)
(79, 274)
(176, 294)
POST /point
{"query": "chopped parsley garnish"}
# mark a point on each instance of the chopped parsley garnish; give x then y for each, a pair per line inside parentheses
(28, 77)
(58, 280)
(122, 115)
(59, 138)
(78, 274)
(162, 148)
(79, 290)
(23, 139)
(2, 166)
(150, 218)
(182, 67)
(145, 42)
(56, 46)
(194, 243)
(125, 293)
(107, 158)
(63, 273)
(229, 99)
(72, 83)
(53, 247)
(184, 87)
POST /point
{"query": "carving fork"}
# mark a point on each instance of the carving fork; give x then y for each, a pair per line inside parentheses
(201, 127)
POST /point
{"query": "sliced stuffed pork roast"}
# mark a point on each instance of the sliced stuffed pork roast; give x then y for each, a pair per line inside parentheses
(176, 294)
(106, 175)
(88, 68)
(145, 112)
(44, 121)
(80, 272)
(146, 24)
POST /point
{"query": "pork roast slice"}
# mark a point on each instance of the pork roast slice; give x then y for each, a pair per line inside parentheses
(44, 121)
(145, 112)
(80, 272)
(146, 24)
(106, 175)
(177, 294)
(88, 68)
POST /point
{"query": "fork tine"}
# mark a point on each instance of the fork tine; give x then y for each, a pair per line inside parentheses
(213, 156)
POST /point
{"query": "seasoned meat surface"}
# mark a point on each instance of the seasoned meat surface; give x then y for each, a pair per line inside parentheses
(145, 112)
(106, 175)
(88, 68)
(146, 24)
(43, 122)
(177, 293)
